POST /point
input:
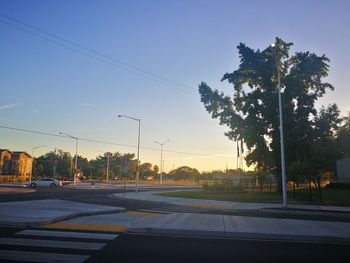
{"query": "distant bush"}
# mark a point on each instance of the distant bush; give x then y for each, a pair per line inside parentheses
(338, 186)
(223, 186)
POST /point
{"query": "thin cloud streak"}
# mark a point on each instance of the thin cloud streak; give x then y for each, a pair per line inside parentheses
(9, 106)
(100, 129)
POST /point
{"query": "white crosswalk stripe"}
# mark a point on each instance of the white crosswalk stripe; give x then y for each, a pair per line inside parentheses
(67, 234)
(18, 255)
(51, 243)
(47, 239)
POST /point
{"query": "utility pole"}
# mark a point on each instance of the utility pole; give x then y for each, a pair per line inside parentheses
(161, 159)
(283, 164)
(76, 155)
(138, 149)
(34, 148)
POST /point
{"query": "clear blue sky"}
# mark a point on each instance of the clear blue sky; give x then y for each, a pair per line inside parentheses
(47, 87)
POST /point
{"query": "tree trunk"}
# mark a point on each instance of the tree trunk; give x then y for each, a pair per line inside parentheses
(319, 188)
(294, 188)
(297, 181)
(279, 181)
(310, 191)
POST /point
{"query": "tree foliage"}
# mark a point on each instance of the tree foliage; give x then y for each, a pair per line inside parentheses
(252, 114)
(184, 173)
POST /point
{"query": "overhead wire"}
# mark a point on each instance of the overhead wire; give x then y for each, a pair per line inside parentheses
(98, 56)
(113, 143)
(53, 38)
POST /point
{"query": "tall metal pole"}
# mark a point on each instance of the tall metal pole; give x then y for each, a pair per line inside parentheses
(138, 149)
(76, 155)
(138, 157)
(54, 164)
(71, 168)
(107, 167)
(161, 159)
(31, 171)
(76, 161)
(161, 164)
(283, 164)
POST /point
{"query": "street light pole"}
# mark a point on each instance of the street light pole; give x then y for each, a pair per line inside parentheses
(161, 159)
(76, 155)
(283, 164)
(107, 167)
(138, 149)
(31, 171)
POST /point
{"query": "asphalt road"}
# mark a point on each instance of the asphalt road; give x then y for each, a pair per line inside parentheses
(100, 196)
(153, 248)
(150, 248)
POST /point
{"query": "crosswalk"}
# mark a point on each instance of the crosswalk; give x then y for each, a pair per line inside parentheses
(53, 246)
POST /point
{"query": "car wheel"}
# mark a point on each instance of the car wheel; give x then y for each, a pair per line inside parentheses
(53, 185)
(32, 185)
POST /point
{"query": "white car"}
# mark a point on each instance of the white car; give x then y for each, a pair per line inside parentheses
(45, 182)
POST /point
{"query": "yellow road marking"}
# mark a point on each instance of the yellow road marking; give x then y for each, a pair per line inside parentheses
(114, 228)
(142, 213)
(210, 206)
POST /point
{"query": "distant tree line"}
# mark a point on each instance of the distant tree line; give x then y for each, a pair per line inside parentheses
(60, 164)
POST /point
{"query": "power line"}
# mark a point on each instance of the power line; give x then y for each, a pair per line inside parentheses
(111, 143)
(93, 53)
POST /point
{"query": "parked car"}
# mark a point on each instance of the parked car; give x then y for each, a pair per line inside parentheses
(45, 182)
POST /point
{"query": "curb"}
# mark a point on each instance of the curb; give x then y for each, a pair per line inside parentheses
(66, 217)
(238, 235)
(260, 209)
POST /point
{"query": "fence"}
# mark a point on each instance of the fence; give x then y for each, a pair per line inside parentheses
(13, 178)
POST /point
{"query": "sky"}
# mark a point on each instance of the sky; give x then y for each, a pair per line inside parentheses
(156, 54)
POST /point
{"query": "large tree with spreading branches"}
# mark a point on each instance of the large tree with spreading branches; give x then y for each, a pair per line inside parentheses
(251, 112)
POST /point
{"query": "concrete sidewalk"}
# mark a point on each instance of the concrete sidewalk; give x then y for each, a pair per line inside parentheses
(213, 204)
(38, 212)
(208, 225)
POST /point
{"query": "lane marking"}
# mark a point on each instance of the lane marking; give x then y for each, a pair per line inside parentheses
(51, 243)
(209, 206)
(69, 234)
(112, 228)
(41, 257)
(154, 211)
(143, 213)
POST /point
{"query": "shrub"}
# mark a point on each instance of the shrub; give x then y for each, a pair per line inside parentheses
(338, 186)
(224, 186)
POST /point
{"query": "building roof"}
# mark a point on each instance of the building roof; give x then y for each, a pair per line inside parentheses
(6, 150)
(20, 152)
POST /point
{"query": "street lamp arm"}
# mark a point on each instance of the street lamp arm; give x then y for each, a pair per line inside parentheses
(40, 146)
(128, 117)
(162, 142)
(70, 136)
